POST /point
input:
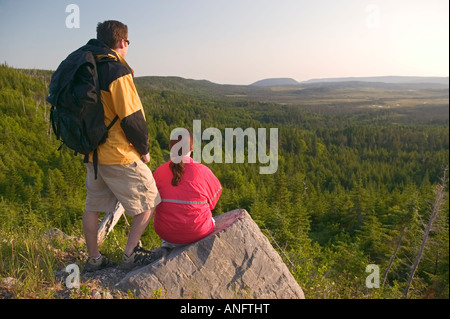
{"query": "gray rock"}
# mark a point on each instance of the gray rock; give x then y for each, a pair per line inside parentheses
(235, 261)
(9, 281)
(57, 234)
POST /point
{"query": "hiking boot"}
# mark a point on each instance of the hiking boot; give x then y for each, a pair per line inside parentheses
(139, 257)
(93, 264)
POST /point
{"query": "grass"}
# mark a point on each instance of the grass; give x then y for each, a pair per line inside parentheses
(28, 260)
(31, 258)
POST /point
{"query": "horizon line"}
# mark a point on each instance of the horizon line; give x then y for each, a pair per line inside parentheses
(5, 63)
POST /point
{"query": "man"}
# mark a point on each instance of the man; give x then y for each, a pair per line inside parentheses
(122, 174)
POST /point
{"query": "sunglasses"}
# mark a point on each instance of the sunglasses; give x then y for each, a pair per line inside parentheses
(127, 41)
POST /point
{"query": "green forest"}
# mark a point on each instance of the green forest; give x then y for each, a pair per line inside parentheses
(360, 174)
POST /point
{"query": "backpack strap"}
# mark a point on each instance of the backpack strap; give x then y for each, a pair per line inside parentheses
(95, 162)
(95, 154)
(113, 122)
(53, 120)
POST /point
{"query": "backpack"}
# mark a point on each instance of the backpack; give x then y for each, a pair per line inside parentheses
(77, 115)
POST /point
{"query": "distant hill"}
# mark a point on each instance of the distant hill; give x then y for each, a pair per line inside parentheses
(384, 79)
(198, 88)
(276, 82)
(293, 94)
(353, 81)
(175, 83)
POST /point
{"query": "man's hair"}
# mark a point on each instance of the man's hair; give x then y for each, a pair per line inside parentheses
(111, 32)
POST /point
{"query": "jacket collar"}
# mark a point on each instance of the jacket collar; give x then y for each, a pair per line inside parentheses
(101, 51)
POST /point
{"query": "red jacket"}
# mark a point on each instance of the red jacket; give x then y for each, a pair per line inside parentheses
(184, 214)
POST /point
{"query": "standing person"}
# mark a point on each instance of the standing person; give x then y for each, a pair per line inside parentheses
(122, 174)
(189, 191)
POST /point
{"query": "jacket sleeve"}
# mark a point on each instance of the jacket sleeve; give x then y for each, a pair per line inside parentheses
(135, 129)
(129, 108)
(212, 186)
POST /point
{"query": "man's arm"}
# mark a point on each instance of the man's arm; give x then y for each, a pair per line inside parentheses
(135, 129)
(128, 107)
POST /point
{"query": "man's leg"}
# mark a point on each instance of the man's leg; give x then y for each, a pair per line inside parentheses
(90, 229)
(140, 223)
(99, 198)
(96, 260)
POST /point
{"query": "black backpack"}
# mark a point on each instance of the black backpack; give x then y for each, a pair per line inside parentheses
(77, 114)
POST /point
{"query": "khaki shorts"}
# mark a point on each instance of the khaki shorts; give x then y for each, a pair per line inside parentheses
(132, 185)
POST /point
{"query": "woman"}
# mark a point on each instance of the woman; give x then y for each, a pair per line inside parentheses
(189, 191)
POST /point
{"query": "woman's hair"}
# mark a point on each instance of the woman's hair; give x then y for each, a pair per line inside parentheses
(177, 167)
(111, 32)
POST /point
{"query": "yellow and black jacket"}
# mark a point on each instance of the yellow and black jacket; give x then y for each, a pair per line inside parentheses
(128, 138)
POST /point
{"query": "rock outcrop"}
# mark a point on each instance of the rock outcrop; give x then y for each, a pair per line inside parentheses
(235, 261)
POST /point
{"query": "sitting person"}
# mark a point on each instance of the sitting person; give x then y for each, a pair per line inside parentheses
(189, 191)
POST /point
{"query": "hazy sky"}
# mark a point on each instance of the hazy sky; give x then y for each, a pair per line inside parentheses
(240, 41)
